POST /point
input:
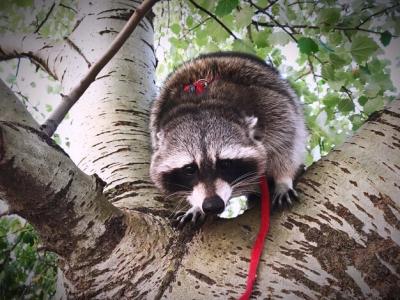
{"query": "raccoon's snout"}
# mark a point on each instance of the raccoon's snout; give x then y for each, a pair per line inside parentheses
(213, 205)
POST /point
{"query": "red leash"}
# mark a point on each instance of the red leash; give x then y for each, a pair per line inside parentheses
(259, 243)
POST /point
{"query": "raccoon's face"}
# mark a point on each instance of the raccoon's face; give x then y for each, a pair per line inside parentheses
(208, 159)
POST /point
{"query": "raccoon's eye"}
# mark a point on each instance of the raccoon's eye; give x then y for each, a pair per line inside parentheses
(224, 164)
(189, 170)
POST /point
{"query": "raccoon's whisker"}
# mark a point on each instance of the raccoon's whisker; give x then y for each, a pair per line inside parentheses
(239, 193)
(245, 176)
(179, 206)
(176, 184)
(245, 183)
(178, 194)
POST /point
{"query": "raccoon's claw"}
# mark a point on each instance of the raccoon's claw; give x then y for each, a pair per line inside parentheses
(193, 215)
(283, 196)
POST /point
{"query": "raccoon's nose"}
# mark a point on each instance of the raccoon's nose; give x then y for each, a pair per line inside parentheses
(213, 205)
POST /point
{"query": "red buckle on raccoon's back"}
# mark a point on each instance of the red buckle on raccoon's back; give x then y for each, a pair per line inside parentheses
(197, 87)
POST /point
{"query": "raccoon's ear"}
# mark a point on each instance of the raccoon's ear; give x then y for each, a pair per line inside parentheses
(251, 125)
(158, 139)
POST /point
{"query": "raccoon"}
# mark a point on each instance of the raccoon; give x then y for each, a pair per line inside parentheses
(221, 121)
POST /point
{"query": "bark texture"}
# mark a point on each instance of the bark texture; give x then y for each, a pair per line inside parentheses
(341, 241)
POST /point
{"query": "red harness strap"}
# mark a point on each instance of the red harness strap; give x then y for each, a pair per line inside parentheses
(198, 87)
(259, 243)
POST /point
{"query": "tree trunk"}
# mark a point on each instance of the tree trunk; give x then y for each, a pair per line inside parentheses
(341, 241)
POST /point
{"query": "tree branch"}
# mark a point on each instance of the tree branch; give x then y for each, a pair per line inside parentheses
(32, 46)
(270, 25)
(195, 27)
(45, 18)
(215, 18)
(275, 21)
(376, 14)
(51, 124)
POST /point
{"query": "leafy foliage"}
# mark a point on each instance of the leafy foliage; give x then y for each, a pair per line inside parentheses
(50, 18)
(25, 272)
(336, 66)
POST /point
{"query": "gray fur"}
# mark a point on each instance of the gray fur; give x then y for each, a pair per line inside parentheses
(247, 106)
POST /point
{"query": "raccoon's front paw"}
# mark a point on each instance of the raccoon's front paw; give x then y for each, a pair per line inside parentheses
(283, 196)
(193, 215)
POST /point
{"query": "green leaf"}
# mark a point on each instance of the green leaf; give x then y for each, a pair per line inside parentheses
(239, 45)
(175, 28)
(260, 38)
(362, 100)
(279, 38)
(328, 72)
(336, 60)
(357, 121)
(345, 106)
(189, 21)
(28, 237)
(362, 47)
(225, 7)
(307, 45)
(331, 100)
(216, 32)
(372, 89)
(262, 3)
(24, 3)
(243, 17)
(386, 37)
(329, 16)
(201, 37)
(373, 105)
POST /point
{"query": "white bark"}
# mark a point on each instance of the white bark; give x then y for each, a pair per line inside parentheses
(74, 219)
(109, 129)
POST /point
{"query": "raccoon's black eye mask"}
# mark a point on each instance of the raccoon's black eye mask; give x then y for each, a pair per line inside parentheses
(231, 169)
(181, 179)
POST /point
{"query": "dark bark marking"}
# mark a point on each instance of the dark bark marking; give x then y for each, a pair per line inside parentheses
(390, 146)
(396, 145)
(353, 183)
(76, 48)
(345, 170)
(112, 153)
(131, 194)
(363, 210)
(390, 168)
(384, 202)
(377, 132)
(384, 122)
(132, 111)
(45, 18)
(126, 123)
(201, 277)
(297, 254)
(310, 183)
